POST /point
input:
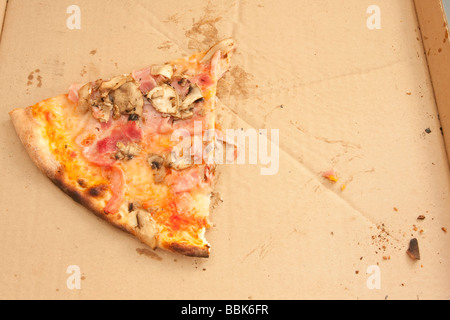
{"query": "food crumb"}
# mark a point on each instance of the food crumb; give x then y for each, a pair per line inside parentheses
(343, 187)
(413, 249)
(421, 217)
(395, 209)
(330, 175)
(444, 229)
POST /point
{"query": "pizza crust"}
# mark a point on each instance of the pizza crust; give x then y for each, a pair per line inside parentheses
(30, 135)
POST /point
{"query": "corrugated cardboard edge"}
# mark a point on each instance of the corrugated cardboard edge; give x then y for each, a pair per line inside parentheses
(435, 35)
(3, 5)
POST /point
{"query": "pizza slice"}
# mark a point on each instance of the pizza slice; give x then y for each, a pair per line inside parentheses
(137, 149)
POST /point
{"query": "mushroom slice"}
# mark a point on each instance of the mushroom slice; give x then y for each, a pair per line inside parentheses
(114, 84)
(184, 114)
(128, 99)
(101, 108)
(195, 94)
(145, 227)
(164, 99)
(225, 46)
(157, 164)
(126, 151)
(84, 98)
(165, 70)
(180, 162)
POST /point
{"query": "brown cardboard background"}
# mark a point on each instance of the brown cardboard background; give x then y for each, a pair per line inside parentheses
(354, 99)
(2, 12)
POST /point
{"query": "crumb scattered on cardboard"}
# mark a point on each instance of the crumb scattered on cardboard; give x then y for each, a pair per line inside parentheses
(413, 249)
(330, 175)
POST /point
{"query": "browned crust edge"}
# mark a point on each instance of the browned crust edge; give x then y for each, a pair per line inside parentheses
(189, 250)
(29, 132)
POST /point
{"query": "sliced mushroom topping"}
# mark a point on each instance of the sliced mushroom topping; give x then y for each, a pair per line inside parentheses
(121, 95)
(225, 46)
(146, 227)
(180, 162)
(165, 70)
(184, 114)
(157, 164)
(114, 84)
(101, 109)
(128, 99)
(126, 151)
(84, 98)
(195, 94)
(164, 99)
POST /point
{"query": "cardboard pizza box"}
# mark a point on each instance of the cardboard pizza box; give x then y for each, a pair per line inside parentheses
(351, 86)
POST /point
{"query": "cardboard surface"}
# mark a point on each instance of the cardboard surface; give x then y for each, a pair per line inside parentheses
(434, 29)
(342, 96)
(2, 13)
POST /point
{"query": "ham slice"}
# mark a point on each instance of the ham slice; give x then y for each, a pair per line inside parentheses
(154, 122)
(73, 92)
(146, 80)
(185, 180)
(202, 80)
(101, 150)
(117, 182)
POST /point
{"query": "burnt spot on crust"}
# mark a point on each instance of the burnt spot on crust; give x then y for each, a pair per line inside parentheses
(97, 191)
(82, 183)
(74, 194)
(190, 251)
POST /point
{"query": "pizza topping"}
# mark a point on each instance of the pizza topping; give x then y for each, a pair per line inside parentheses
(180, 163)
(146, 227)
(145, 79)
(128, 99)
(164, 99)
(154, 122)
(117, 182)
(225, 47)
(185, 180)
(73, 92)
(115, 83)
(83, 98)
(157, 164)
(181, 85)
(101, 109)
(126, 151)
(195, 94)
(203, 80)
(165, 70)
(102, 151)
(120, 95)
